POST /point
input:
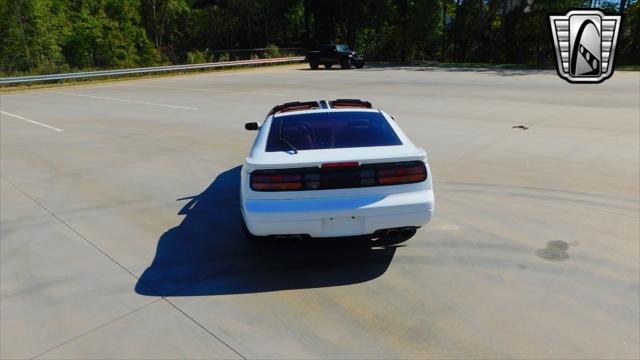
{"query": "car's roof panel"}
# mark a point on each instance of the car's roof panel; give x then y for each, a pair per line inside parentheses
(313, 111)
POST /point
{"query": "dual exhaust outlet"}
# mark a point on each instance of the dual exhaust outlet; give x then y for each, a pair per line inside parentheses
(393, 235)
(398, 234)
(294, 237)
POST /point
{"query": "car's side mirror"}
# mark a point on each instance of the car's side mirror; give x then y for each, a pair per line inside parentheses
(251, 126)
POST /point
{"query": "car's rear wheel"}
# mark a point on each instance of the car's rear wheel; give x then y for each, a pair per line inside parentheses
(345, 63)
(360, 65)
(328, 66)
(313, 65)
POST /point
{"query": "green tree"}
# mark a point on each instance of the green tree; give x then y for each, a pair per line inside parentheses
(43, 36)
(30, 33)
(629, 39)
(107, 33)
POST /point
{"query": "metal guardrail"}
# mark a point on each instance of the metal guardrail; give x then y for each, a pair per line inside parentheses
(155, 69)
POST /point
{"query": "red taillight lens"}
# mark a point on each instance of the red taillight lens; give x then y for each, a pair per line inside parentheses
(276, 186)
(275, 182)
(402, 171)
(400, 179)
(339, 175)
(340, 164)
(276, 178)
(402, 175)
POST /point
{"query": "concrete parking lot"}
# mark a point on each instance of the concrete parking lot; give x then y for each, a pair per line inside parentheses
(120, 227)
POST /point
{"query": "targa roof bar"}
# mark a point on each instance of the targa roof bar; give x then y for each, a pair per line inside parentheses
(342, 103)
(295, 106)
(322, 104)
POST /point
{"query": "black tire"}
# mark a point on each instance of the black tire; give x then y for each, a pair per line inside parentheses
(345, 63)
(360, 65)
(313, 65)
(328, 66)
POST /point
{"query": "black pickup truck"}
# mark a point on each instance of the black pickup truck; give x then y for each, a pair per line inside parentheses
(332, 54)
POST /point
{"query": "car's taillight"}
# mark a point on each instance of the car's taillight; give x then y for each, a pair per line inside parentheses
(276, 182)
(340, 164)
(276, 186)
(340, 175)
(402, 175)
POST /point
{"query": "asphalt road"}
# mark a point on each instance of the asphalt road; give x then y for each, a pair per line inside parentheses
(120, 230)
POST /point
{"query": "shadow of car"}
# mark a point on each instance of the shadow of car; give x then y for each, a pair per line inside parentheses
(208, 254)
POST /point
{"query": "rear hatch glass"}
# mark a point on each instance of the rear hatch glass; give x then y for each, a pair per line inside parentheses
(330, 130)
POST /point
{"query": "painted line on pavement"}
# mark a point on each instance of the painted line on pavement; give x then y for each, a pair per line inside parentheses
(31, 121)
(210, 90)
(126, 100)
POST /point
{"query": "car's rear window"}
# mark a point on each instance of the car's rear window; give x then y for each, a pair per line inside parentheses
(331, 130)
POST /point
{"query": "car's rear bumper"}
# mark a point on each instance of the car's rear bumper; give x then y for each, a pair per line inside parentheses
(328, 217)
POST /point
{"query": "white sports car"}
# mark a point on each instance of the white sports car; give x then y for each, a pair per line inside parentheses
(334, 168)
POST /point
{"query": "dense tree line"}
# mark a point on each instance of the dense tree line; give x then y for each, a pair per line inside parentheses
(44, 36)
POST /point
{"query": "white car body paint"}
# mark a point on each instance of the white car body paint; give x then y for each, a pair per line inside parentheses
(334, 212)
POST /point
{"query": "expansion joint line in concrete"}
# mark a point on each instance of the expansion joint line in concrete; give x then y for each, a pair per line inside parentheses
(95, 328)
(125, 269)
